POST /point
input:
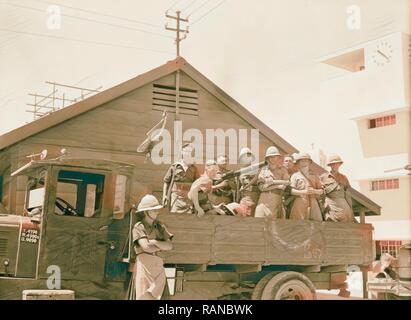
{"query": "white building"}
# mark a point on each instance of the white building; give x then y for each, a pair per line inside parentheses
(373, 82)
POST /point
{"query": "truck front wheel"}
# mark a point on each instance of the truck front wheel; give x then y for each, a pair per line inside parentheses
(284, 286)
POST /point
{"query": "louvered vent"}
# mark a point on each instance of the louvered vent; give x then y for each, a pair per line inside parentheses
(3, 248)
(164, 99)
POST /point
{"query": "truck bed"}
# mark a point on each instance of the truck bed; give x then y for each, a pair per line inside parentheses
(219, 240)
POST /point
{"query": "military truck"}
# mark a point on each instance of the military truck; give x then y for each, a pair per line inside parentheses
(73, 234)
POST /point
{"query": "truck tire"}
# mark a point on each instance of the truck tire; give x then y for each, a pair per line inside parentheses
(287, 285)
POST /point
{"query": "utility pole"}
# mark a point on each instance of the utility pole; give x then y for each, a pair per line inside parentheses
(178, 30)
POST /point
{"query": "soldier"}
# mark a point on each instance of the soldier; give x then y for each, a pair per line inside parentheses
(272, 181)
(338, 204)
(289, 164)
(201, 188)
(242, 209)
(247, 183)
(222, 192)
(291, 167)
(177, 183)
(149, 237)
(307, 188)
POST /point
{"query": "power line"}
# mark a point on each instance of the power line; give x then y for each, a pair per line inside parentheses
(90, 20)
(208, 12)
(101, 14)
(189, 5)
(195, 10)
(83, 41)
(10, 39)
(174, 4)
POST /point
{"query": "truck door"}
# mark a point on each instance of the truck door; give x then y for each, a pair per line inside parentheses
(76, 224)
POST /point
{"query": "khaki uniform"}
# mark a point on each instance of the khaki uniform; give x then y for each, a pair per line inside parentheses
(293, 170)
(249, 188)
(306, 207)
(337, 202)
(224, 195)
(270, 202)
(149, 274)
(203, 194)
(184, 176)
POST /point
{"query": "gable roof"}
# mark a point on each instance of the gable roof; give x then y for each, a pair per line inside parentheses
(10, 138)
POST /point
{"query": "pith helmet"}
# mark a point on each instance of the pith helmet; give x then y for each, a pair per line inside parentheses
(244, 153)
(302, 156)
(210, 163)
(222, 159)
(334, 159)
(148, 202)
(272, 151)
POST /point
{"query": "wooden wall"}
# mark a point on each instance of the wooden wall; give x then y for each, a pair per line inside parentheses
(115, 129)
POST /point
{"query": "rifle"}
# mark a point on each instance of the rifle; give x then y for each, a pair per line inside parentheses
(170, 187)
(247, 170)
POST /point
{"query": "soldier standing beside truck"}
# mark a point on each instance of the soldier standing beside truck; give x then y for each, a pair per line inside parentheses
(307, 188)
(149, 237)
(338, 203)
(177, 183)
(272, 181)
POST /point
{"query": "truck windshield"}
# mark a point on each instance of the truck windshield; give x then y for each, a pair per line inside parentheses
(35, 192)
(79, 193)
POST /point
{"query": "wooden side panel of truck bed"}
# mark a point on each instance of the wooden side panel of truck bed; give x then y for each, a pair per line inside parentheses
(235, 240)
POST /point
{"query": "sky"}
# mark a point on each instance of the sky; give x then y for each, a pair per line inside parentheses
(264, 53)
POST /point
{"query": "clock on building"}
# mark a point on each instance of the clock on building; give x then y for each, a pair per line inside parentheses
(382, 53)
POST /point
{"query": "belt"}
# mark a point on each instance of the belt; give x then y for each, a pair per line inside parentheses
(151, 254)
(275, 191)
(182, 186)
(251, 189)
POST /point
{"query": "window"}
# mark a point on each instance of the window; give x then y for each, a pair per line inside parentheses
(164, 99)
(79, 193)
(382, 121)
(385, 184)
(390, 246)
(120, 195)
(35, 192)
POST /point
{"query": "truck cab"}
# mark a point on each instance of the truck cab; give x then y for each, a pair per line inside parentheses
(74, 221)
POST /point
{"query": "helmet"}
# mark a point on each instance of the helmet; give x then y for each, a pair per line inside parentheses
(210, 163)
(244, 154)
(272, 151)
(334, 159)
(148, 202)
(221, 159)
(302, 156)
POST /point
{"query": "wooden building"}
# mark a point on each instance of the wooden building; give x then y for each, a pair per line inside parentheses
(110, 125)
